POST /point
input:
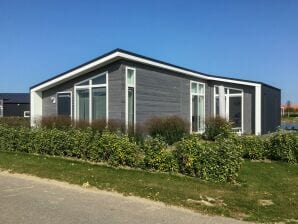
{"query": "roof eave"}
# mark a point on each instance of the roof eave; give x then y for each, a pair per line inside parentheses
(122, 54)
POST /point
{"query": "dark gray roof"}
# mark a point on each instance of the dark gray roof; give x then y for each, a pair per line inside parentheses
(15, 97)
(152, 59)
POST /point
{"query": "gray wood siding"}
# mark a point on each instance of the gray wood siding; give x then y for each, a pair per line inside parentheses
(271, 115)
(159, 92)
(116, 97)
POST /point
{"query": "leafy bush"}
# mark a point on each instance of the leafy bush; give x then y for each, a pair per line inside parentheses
(217, 161)
(86, 144)
(254, 147)
(115, 150)
(217, 126)
(283, 146)
(172, 128)
(158, 156)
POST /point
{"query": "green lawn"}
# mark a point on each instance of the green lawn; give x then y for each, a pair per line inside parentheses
(274, 181)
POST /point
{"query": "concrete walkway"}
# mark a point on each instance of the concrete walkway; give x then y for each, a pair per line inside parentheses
(26, 199)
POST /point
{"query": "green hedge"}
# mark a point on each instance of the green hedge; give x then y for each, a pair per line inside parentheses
(157, 155)
(254, 147)
(217, 161)
(282, 146)
(84, 144)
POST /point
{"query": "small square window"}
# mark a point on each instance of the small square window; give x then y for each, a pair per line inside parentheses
(201, 89)
(234, 91)
(99, 80)
(194, 88)
(216, 90)
(86, 83)
(26, 113)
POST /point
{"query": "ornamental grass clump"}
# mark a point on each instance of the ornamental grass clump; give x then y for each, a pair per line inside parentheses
(171, 128)
(15, 121)
(217, 127)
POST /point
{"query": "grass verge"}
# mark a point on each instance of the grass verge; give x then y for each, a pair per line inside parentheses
(265, 192)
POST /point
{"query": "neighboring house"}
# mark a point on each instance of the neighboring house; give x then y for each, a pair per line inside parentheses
(14, 105)
(132, 88)
(285, 108)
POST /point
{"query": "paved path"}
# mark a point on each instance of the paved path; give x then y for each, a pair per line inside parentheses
(25, 199)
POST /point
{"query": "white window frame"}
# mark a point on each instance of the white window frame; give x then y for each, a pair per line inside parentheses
(64, 92)
(25, 113)
(89, 88)
(204, 111)
(1, 108)
(126, 95)
(227, 104)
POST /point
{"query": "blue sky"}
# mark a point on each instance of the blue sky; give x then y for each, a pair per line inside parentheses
(255, 40)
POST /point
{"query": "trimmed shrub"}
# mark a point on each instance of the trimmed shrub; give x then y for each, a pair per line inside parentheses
(49, 142)
(217, 161)
(283, 146)
(172, 128)
(158, 156)
(254, 147)
(115, 149)
(216, 127)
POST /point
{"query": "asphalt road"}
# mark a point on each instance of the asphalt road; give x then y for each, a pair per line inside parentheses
(25, 199)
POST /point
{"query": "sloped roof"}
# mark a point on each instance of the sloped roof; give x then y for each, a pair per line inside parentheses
(120, 53)
(15, 97)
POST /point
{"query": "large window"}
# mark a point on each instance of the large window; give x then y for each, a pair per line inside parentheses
(197, 106)
(130, 76)
(91, 98)
(64, 104)
(232, 106)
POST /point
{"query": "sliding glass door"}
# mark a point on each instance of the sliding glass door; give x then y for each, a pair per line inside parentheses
(233, 106)
(83, 104)
(235, 111)
(99, 103)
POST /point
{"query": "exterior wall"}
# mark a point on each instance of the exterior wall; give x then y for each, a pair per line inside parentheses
(116, 97)
(15, 110)
(248, 104)
(159, 92)
(271, 101)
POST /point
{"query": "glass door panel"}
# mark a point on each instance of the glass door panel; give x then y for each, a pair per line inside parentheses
(99, 104)
(83, 104)
(235, 111)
